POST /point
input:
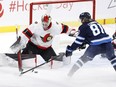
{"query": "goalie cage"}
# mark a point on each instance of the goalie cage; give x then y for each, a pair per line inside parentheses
(33, 10)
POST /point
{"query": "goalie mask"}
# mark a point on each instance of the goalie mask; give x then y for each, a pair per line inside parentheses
(46, 20)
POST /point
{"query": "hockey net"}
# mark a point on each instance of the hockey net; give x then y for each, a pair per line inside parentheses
(66, 11)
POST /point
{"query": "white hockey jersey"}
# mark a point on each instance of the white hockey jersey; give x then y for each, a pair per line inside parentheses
(40, 37)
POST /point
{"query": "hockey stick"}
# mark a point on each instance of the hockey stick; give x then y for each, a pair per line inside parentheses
(32, 69)
(51, 60)
(19, 54)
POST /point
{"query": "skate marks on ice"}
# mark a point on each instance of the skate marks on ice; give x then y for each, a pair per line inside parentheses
(85, 77)
(98, 73)
(93, 74)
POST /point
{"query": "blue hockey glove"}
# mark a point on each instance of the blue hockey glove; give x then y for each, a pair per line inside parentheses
(68, 51)
(83, 46)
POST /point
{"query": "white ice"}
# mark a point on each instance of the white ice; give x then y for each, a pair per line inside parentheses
(97, 73)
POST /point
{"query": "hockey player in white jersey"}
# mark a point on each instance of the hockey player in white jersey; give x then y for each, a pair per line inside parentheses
(38, 37)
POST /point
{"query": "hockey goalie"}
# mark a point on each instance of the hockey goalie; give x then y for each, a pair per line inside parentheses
(37, 38)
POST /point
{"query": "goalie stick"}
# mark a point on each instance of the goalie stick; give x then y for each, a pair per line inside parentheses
(32, 69)
(61, 55)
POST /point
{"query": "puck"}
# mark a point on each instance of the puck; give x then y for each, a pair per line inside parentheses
(35, 71)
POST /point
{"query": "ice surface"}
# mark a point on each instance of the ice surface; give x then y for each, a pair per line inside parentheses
(96, 73)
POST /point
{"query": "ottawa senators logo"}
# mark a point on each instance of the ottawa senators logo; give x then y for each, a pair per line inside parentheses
(46, 38)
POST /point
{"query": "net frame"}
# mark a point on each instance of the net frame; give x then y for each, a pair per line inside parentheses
(60, 1)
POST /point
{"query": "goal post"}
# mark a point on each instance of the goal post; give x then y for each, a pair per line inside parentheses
(55, 2)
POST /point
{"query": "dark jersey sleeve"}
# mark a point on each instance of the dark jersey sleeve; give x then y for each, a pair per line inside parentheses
(79, 39)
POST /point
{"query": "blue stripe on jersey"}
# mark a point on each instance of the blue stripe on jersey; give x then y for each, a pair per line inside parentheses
(69, 50)
(79, 40)
(101, 41)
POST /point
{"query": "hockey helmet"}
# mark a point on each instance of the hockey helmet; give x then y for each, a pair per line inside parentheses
(46, 20)
(85, 15)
